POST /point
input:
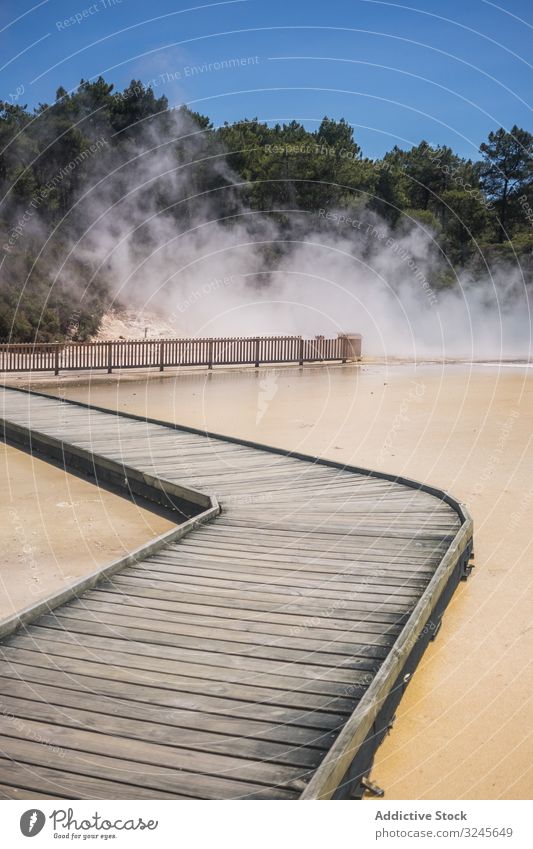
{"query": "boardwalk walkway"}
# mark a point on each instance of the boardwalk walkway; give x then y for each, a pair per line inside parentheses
(258, 657)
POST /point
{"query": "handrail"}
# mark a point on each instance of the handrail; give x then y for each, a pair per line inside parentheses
(174, 352)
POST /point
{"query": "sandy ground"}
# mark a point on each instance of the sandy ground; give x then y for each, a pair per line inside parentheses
(463, 727)
(132, 324)
(57, 527)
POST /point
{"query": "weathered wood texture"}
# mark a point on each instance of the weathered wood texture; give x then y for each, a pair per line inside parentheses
(248, 659)
(160, 353)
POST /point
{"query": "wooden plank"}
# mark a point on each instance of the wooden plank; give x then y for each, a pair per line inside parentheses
(338, 618)
(35, 781)
(235, 620)
(280, 688)
(7, 792)
(304, 605)
(323, 714)
(194, 726)
(297, 570)
(226, 585)
(300, 661)
(326, 559)
(179, 738)
(248, 642)
(186, 677)
(349, 543)
(95, 762)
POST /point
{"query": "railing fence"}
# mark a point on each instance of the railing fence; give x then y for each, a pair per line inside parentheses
(161, 353)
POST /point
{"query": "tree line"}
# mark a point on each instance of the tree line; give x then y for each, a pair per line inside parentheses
(479, 212)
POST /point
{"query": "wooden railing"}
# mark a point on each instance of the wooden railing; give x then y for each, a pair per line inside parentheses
(159, 353)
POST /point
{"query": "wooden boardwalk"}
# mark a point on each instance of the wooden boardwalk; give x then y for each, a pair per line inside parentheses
(261, 656)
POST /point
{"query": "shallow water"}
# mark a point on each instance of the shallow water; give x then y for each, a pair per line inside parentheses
(57, 527)
(461, 727)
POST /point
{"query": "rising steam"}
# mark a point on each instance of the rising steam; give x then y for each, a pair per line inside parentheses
(212, 266)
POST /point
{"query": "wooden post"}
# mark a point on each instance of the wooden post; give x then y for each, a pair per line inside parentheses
(300, 351)
(257, 352)
(109, 357)
(210, 354)
(56, 359)
(351, 346)
(161, 356)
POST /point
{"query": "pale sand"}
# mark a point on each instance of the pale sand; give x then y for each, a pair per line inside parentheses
(57, 527)
(463, 724)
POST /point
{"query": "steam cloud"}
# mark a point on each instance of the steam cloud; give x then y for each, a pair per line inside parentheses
(212, 266)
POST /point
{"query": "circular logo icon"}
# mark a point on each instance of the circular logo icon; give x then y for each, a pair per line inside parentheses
(32, 822)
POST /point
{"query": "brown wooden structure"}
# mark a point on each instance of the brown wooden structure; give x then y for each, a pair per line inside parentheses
(259, 650)
(165, 353)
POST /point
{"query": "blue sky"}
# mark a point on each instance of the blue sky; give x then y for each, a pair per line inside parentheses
(442, 70)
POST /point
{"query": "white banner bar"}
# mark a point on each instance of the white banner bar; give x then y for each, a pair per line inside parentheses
(256, 825)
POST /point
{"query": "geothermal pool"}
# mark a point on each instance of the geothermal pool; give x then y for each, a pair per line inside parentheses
(467, 428)
(57, 527)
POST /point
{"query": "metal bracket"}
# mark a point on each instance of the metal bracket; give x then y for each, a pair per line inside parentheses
(372, 788)
(468, 566)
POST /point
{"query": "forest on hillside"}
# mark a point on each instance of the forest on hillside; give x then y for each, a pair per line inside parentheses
(56, 160)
